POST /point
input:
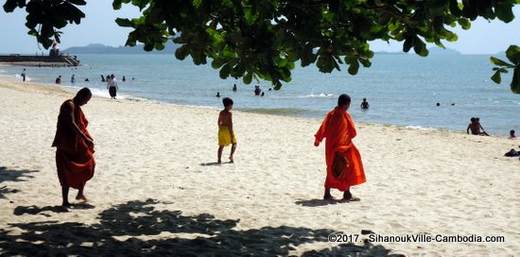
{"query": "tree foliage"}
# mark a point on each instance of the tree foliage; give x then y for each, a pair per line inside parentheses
(265, 39)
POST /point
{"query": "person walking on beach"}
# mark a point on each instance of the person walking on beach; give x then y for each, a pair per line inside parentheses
(364, 105)
(476, 128)
(344, 165)
(23, 75)
(112, 86)
(226, 135)
(74, 147)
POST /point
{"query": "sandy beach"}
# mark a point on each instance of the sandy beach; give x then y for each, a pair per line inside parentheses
(156, 193)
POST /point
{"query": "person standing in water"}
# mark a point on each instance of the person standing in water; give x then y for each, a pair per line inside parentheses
(72, 79)
(364, 105)
(234, 87)
(257, 90)
(58, 80)
(112, 86)
(23, 75)
(512, 134)
(74, 147)
(344, 165)
(226, 135)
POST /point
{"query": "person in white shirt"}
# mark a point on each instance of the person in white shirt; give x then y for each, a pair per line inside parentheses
(112, 86)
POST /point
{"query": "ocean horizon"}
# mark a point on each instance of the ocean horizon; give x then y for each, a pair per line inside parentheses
(402, 89)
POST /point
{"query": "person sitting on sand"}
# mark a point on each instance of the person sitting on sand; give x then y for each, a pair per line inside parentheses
(512, 134)
(364, 104)
(344, 166)
(475, 127)
(226, 135)
(74, 147)
(58, 80)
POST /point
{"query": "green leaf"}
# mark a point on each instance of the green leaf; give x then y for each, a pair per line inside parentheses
(504, 11)
(496, 77)
(499, 62)
(513, 54)
(248, 78)
(124, 22)
(354, 67)
(515, 83)
(464, 23)
(225, 70)
(182, 52)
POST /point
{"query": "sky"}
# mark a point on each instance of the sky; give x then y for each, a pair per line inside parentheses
(99, 27)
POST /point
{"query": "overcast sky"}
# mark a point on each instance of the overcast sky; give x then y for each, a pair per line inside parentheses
(99, 27)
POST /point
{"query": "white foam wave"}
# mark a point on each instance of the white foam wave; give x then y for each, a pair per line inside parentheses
(419, 128)
(27, 78)
(320, 95)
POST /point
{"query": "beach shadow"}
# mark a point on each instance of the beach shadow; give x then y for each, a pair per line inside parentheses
(33, 209)
(350, 249)
(317, 202)
(214, 163)
(10, 175)
(123, 228)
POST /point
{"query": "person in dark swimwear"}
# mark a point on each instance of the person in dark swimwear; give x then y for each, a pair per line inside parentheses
(364, 104)
(476, 128)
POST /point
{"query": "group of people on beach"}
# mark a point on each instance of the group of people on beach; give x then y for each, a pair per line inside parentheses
(75, 161)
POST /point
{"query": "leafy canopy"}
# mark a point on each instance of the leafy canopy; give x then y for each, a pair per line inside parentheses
(264, 39)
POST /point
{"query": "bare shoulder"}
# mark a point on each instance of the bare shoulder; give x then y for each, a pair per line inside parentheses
(67, 105)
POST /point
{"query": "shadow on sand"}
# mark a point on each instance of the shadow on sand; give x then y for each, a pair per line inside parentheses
(321, 202)
(120, 228)
(9, 175)
(214, 163)
(33, 209)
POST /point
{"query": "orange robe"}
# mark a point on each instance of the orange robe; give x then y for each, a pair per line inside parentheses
(74, 157)
(339, 130)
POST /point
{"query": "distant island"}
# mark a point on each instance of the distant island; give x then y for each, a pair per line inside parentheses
(104, 49)
(170, 49)
(434, 51)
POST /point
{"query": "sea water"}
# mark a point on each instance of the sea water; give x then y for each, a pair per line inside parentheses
(401, 89)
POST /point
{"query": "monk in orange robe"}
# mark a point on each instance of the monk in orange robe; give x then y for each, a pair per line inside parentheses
(74, 147)
(344, 166)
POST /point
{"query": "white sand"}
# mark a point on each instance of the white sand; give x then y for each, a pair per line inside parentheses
(419, 181)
